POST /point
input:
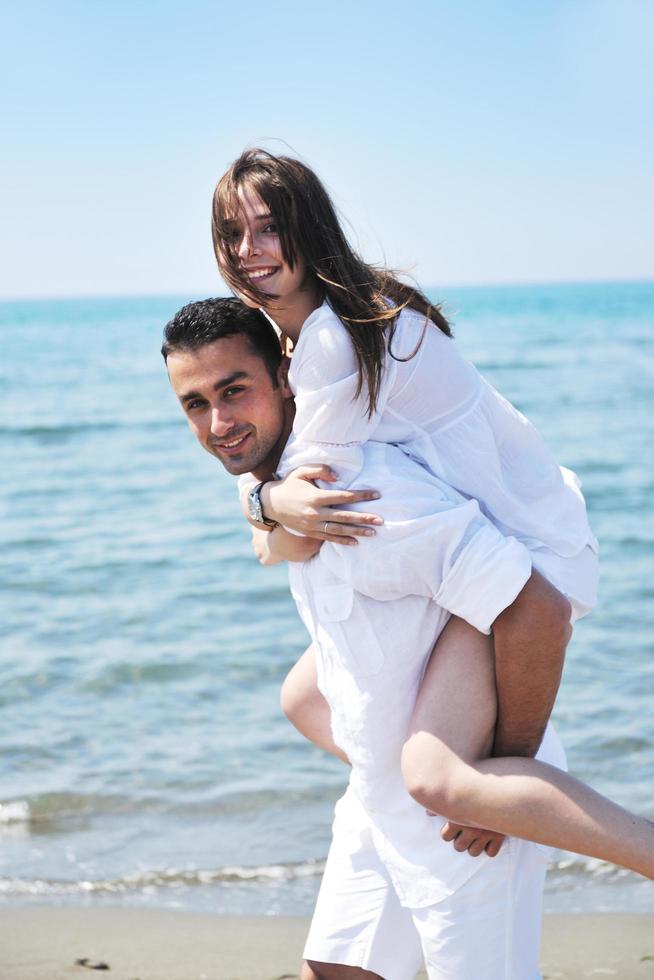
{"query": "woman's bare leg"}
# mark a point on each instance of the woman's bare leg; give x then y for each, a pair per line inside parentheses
(312, 970)
(306, 708)
(517, 796)
(471, 727)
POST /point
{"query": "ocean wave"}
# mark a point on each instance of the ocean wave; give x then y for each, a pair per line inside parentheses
(65, 431)
(143, 881)
(561, 873)
(565, 866)
(17, 811)
(59, 807)
(48, 807)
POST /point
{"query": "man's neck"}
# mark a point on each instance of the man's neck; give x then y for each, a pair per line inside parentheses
(267, 468)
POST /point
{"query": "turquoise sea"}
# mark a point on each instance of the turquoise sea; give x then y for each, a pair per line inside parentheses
(143, 757)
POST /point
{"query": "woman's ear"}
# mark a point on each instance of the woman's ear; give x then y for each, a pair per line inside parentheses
(282, 376)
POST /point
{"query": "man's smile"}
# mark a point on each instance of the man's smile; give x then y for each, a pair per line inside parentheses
(227, 447)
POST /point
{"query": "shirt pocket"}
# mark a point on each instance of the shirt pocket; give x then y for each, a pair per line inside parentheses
(340, 614)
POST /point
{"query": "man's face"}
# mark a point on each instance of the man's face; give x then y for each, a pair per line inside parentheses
(230, 402)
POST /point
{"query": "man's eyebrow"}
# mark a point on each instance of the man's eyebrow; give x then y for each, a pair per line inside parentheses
(221, 383)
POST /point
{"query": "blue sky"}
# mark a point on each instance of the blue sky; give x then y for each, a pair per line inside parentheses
(465, 141)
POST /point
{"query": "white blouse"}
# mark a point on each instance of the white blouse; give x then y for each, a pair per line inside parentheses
(440, 410)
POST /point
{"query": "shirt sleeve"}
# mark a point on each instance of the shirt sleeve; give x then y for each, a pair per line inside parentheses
(452, 555)
(331, 420)
(246, 480)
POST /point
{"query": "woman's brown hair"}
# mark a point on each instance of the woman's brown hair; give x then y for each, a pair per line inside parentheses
(367, 299)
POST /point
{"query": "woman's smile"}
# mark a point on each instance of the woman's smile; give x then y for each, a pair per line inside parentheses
(261, 274)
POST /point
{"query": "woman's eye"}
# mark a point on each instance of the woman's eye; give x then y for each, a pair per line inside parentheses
(271, 228)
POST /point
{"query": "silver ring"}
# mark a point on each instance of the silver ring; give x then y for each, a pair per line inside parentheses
(325, 527)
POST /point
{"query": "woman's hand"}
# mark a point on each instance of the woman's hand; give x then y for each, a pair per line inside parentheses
(273, 547)
(300, 505)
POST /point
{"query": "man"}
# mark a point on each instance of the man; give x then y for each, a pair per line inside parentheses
(393, 892)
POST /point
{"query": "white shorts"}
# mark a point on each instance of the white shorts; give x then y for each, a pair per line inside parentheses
(488, 929)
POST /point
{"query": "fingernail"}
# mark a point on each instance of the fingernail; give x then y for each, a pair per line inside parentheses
(374, 495)
(378, 520)
(369, 532)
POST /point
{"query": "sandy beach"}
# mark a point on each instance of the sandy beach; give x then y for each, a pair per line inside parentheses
(134, 944)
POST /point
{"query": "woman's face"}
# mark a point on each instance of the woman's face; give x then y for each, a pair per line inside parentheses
(256, 246)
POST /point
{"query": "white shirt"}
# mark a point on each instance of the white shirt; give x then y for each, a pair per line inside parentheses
(374, 613)
(445, 415)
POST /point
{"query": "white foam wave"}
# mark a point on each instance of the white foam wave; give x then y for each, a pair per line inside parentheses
(16, 812)
(168, 878)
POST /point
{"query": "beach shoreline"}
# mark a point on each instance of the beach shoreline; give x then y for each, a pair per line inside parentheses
(49, 943)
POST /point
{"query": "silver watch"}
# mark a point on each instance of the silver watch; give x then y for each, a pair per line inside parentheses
(255, 510)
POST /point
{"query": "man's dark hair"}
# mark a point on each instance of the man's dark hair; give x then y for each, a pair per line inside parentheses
(201, 323)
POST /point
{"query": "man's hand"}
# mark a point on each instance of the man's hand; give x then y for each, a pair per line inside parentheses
(297, 503)
(474, 840)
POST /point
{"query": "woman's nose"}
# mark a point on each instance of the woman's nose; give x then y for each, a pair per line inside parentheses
(247, 246)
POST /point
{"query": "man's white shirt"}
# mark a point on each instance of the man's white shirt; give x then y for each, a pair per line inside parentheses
(374, 612)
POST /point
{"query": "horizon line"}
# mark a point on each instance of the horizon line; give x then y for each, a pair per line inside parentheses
(479, 284)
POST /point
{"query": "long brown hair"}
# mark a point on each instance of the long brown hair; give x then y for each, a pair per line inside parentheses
(366, 298)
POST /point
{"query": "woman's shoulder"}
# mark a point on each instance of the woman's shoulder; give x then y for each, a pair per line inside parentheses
(412, 319)
(323, 326)
(324, 347)
(414, 331)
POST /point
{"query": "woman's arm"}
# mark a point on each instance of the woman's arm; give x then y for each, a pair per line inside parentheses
(298, 504)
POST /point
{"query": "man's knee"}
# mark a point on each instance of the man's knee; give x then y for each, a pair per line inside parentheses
(311, 970)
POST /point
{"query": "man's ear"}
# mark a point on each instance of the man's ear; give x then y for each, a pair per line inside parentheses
(282, 377)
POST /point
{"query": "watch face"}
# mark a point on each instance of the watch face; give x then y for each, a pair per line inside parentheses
(254, 505)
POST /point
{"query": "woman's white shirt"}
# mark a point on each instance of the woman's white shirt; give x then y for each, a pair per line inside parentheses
(440, 411)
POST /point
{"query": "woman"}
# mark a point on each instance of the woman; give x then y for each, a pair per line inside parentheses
(372, 358)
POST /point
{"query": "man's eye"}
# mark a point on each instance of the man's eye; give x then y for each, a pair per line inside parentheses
(232, 391)
(196, 403)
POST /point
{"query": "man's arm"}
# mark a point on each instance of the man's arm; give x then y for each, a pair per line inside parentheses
(273, 547)
(530, 638)
(273, 544)
(246, 483)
